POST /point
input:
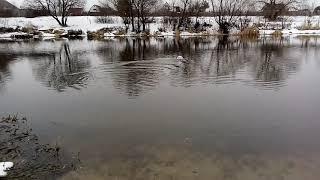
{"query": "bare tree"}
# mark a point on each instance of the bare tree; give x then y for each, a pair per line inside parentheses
(58, 9)
(272, 9)
(197, 7)
(184, 14)
(136, 12)
(228, 12)
(144, 9)
(125, 9)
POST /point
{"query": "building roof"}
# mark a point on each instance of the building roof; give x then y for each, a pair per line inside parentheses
(99, 9)
(5, 5)
(317, 11)
(95, 8)
(274, 7)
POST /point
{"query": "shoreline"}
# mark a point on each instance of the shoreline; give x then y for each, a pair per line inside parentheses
(27, 36)
(87, 26)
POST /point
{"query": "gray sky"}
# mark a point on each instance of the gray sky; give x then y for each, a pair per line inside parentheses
(91, 2)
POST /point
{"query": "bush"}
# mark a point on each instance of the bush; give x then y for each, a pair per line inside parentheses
(21, 36)
(8, 30)
(309, 26)
(161, 29)
(277, 33)
(250, 32)
(104, 20)
(94, 35)
(75, 33)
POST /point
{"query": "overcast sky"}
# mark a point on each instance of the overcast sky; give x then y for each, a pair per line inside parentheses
(18, 3)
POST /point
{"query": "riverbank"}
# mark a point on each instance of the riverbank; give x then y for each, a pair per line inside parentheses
(28, 158)
(91, 27)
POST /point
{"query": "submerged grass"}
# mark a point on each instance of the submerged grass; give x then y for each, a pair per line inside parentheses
(169, 162)
(32, 160)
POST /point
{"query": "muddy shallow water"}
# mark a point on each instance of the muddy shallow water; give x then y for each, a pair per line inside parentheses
(235, 109)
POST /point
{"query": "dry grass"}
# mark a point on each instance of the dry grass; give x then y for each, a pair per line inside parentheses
(250, 32)
(309, 26)
(277, 33)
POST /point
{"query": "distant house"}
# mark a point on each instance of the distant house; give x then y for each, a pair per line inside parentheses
(76, 11)
(305, 12)
(7, 9)
(164, 10)
(96, 10)
(316, 11)
(166, 7)
(302, 12)
(272, 11)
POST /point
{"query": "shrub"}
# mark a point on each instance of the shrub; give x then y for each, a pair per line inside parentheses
(75, 33)
(8, 30)
(277, 33)
(250, 32)
(58, 31)
(104, 20)
(94, 35)
(307, 25)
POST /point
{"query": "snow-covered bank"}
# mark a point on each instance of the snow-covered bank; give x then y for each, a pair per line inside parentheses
(85, 23)
(290, 32)
(48, 27)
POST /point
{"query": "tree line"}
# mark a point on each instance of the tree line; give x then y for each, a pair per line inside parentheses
(137, 14)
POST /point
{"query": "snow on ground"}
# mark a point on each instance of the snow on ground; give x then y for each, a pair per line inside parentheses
(9, 35)
(85, 23)
(4, 166)
(89, 23)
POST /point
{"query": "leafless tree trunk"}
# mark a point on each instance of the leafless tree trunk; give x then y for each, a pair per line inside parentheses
(139, 11)
(57, 9)
(184, 13)
(132, 14)
(228, 12)
(197, 7)
(124, 9)
(145, 8)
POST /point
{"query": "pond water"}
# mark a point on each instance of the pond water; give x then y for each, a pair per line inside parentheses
(234, 109)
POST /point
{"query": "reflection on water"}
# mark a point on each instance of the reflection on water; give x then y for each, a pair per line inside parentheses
(5, 59)
(62, 69)
(137, 65)
(234, 109)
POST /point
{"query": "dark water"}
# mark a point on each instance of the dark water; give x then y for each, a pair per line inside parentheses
(236, 109)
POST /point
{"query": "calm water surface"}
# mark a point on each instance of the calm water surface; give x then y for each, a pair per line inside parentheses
(236, 109)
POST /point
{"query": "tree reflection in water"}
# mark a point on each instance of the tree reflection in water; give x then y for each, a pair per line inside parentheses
(135, 78)
(210, 61)
(5, 73)
(137, 65)
(63, 69)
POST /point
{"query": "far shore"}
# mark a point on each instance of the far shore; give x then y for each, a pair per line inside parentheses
(88, 26)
